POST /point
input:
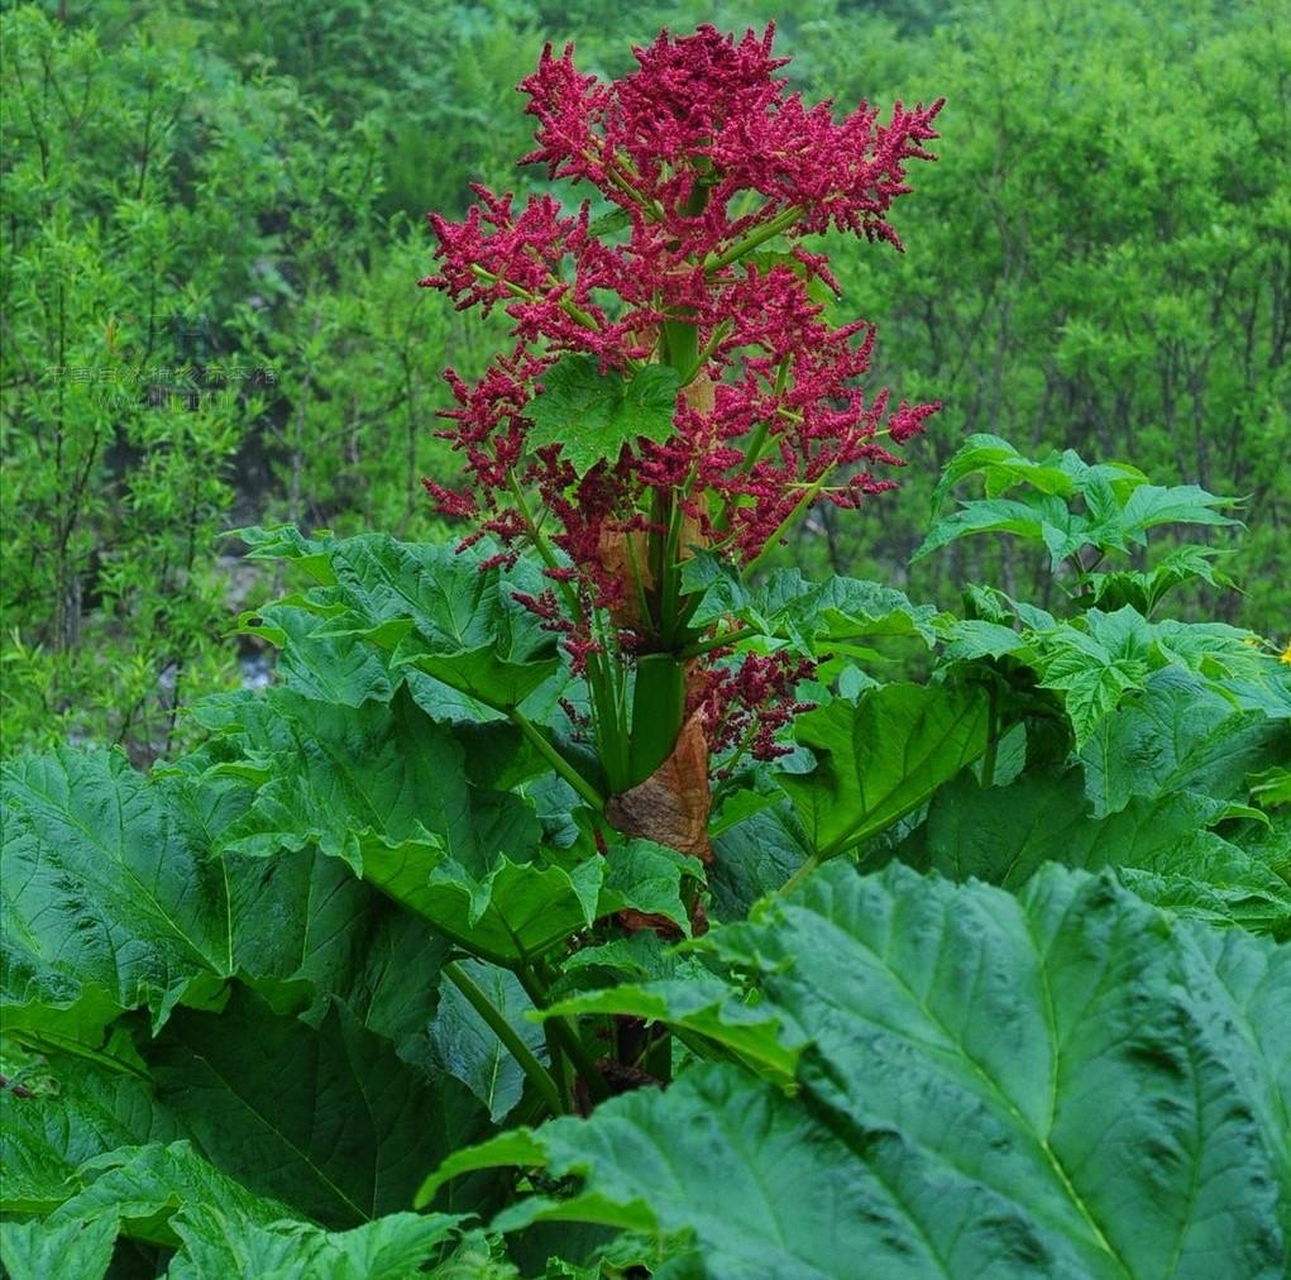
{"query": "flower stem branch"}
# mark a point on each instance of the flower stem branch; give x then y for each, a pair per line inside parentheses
(718, 642)
(565, 1034)
(808, 497)
(768, 231)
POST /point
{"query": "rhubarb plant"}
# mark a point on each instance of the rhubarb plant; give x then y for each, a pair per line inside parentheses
(587, 899)
(674, 388)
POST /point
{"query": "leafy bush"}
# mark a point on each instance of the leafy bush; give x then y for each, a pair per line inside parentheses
(253, 1000)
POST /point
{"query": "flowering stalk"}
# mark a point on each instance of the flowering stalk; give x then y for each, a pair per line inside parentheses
(673, 387)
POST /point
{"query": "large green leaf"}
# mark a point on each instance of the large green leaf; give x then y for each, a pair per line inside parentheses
(1054, 1023)
(591, 415)
(328, 1119)
(1119, 505)
(700, 1004)
(511, 915)
(767, 1189)
(1094, 661)
(89, 1110)
(1177, 735)
(882, 757)
(1059, 1084)
(1045, 520)
(436, 611)
(647, 877)
(1002, 467)
(1151, 505)
(75, 1250)
(307, 930)
(518, 911)
(336, 669)
(170, 1195)
(755, 857)
(835, 615)
(286, 542)
(145, 1185)
(218, 1245)
(1092, 668)
(346, 779)
(1145, 589)
(110, 900)
(1004, 834)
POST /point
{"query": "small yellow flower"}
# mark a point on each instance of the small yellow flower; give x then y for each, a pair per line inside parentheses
(1285, 655)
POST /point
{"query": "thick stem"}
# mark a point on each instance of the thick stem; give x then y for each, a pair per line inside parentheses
(658, 711)
(559, 1067)
(992, 739)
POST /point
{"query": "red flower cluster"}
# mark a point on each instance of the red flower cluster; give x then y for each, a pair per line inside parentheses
(701, 122)
(746, 706)
(707, 157)
(705, 109)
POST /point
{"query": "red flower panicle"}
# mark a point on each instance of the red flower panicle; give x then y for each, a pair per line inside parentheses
(746, 706)
(708, 157)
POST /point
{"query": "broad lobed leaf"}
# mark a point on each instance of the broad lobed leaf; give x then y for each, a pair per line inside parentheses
(591, 416)
(1056, 1084)
(110, 899)
(882, 757)
(1072, 505)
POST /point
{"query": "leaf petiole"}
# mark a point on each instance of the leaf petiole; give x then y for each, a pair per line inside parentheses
(556, 760)
(533, 1069)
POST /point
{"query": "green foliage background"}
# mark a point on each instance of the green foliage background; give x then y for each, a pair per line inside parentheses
(212, 232)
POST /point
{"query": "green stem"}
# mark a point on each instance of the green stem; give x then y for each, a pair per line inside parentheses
(559, 1067)
(717, 642)
(556, 760)
(605, 679)
(670, 576)
(714, 340)
(992, 733)
(813, 861)
(570, 1041)
(802, 504)
(541, 544)
(609, 732)
(729, 764)
(566, 1037)
(625, 181)
(575, 313)
(764, 233)
(537, 1073)
(756, 446)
